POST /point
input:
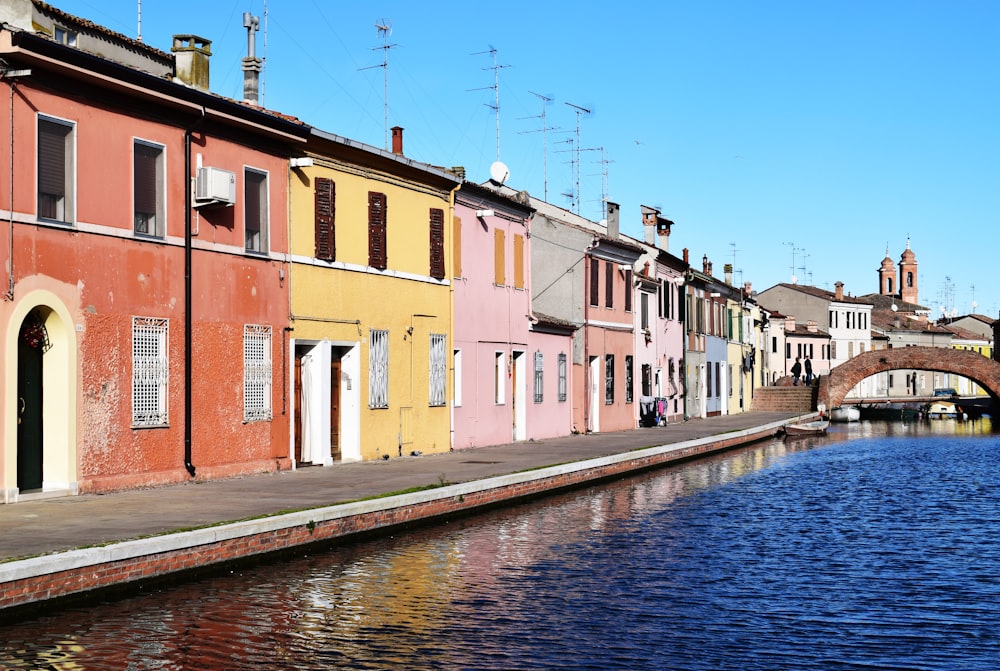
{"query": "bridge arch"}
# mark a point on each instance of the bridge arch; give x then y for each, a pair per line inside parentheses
(834, 387)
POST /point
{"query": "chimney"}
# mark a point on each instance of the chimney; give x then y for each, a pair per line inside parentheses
(811, 326)
(251, 64)
(789, 323)
(727, 271)
(612, 220)
(706, 265)
(191, 60)
(648, 224)
(458, 171)
(397, 140)
(687, 260)
(839, 290)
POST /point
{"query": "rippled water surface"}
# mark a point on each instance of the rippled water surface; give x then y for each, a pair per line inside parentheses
(874, 548)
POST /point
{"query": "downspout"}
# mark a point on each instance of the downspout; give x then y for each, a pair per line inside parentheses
(188, 317)
(450, 270)
(10, 203)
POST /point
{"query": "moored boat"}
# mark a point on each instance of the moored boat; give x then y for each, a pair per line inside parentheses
(889, 411)
(944, 410)
(814, 428)
(845, 413)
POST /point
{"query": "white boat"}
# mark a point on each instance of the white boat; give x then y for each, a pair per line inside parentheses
(815, 428)
(845, 413)
(943, 409)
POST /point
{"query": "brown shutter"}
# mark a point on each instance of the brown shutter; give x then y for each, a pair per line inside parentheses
(144, 178)
(326, 211)
(377, 257)
(628, 291)
(437, 243)
(499, 260)
(456, 241)
(609, 293)
(52, 158)
(518, 261)
(595, 273)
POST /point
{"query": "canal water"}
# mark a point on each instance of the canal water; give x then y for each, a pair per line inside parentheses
(876, 547)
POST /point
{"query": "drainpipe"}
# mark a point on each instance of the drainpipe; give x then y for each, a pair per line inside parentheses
(188, 317)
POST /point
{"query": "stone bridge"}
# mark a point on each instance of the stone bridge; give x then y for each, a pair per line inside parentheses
(985, 372)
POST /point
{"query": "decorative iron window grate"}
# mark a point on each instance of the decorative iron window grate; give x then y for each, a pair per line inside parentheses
(438, 369)
(539, 377)
(256, 373)
(150, 371)
(378, 369)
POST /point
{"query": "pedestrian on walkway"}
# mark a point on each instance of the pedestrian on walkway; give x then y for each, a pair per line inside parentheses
(796, 372)
(809, 371)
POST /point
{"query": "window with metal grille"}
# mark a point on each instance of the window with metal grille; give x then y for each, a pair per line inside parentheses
(539, 377)
(150, 371)
(378, 369)
(326, 212)
(256, 373)
(255, 210)
(377, 230)
(628, 378)
(438, 369)
(56, 164)
(437, 243)
(609, 379)
(147, 189)
(562, 377)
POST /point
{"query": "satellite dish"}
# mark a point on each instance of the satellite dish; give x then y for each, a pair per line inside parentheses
(499, 172)
(894, 308)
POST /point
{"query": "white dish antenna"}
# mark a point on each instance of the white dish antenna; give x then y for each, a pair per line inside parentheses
(499, 172)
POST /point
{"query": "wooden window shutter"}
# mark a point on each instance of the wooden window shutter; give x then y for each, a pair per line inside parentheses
(595, 276)
(52, 158)
(499, 271)
(609, 293)
(518, 261)
(144, 178)
(456, 241)
(437, 243)
(326, 212)
(377, 207)
(628, 291)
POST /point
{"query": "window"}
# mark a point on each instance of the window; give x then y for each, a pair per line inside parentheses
(518, 261)
(150, 371)
(647, 380)
(731, 385)
(562, 377)
(628, 378)
(609, 379)
(378, 369)
(609, 289)
(147, 189)
(643, 310)
(628, 290)
(499, 258)
(56, 163)
(457, 382)
(595, 276)
(708, 380)
(256, 373)
(718, 379)
(788, 350)
(456, 243)
(326, 216)
(377, 230)
(438, 369)
(774, 344)
(539, 377)
(64, 36)
(255, 210)
(499, 377)
(437, 243)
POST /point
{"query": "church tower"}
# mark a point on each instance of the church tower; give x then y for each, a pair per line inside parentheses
(887, 276)
(908, 275)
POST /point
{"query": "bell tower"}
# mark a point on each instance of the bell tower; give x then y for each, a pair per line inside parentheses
(887, 276)
(908, 275)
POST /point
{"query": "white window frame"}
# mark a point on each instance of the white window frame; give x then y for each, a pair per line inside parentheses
(157, 227)
(378, 368)
(257, 372)
(257, 242)
(150, 371)
(438, 370)
(562, 370)
(66, 204)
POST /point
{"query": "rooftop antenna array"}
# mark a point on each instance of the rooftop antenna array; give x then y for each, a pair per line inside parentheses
(138, 37)
(544, 131)
(604, 179)
(580, 111)
(263, 59)
(496, 89)
(795, 280)
(384, 27)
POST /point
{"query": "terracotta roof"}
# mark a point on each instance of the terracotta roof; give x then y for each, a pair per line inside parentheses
(823, 293)
(97, 28)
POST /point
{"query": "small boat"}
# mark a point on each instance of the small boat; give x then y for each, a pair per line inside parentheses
(943, 410)
(814, 428)
(890, 411)
(845, 413)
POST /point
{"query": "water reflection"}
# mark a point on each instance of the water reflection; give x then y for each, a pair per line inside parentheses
(816, 553)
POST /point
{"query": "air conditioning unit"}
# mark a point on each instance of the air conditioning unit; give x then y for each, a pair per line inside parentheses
(214, 185)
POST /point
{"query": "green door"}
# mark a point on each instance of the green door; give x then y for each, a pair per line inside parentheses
(29, 417)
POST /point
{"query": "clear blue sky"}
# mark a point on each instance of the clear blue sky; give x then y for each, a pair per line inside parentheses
(767, 130)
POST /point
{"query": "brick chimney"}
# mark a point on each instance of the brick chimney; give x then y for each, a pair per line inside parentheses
(397, 140)
(687, 260)
(839, 286)
(191, 60)
(613, 220)
(706, 265)
(649, 224)
(727, 271)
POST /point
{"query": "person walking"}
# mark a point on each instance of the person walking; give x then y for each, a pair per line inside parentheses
(809, 371)
(796, 371)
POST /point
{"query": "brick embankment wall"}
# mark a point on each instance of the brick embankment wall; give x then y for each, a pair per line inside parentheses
(784, 399)
(35, 581)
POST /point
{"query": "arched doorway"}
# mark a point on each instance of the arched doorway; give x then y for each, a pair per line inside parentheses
(32, 343)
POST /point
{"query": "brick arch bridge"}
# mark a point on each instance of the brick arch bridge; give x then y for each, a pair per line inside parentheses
(835, 386)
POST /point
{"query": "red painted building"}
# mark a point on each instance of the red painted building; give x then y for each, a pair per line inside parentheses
(143, 229)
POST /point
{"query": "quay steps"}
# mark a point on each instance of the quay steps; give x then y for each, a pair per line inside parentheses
(784, 399)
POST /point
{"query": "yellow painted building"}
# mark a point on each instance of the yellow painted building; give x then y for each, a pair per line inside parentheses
(370, 347)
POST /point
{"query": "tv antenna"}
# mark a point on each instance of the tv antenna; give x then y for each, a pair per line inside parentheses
(263, 59)
(580, 111)
(571, 194)
(138, 37)
(544, 131)
(604, 179)
(384, 27)
(496, 89)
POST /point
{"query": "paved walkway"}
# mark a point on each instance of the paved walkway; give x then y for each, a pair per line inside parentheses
(31, 528)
